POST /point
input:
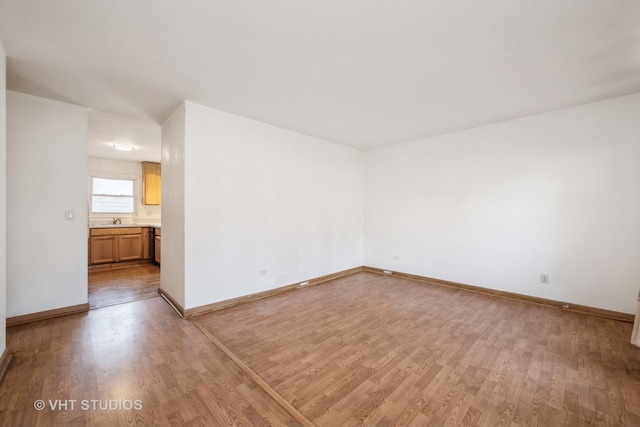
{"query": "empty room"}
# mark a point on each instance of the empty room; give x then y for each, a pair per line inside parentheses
(244, 213)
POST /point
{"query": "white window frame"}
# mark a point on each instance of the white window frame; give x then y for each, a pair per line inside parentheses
(134, 179)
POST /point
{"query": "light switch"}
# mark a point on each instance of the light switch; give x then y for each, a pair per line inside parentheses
(69, 215)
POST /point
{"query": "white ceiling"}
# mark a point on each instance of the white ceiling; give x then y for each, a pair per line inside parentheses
(364, 73)
(105, 129)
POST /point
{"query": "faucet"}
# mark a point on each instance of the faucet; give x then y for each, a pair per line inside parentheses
(117, 220)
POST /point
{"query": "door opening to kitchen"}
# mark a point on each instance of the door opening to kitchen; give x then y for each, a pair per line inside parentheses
(124, 196)
(124, 249)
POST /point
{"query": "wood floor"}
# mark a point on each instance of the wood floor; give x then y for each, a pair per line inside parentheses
(136, 351)
(378, 350)
(361, 350)
(123, 283)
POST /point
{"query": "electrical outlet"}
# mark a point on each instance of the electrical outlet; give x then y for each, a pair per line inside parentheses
(305, 283)
(396, 257)
(544, 278)
(387, 272)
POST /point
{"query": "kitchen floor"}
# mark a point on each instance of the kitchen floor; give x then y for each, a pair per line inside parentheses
(123, 283)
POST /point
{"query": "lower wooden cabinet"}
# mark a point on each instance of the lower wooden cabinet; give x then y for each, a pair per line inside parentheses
(146, 242)
(157, 248)
(103, 249)
(130, 247)
(116, 244)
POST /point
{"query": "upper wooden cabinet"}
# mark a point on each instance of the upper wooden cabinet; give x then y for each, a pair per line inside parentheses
(151, 183)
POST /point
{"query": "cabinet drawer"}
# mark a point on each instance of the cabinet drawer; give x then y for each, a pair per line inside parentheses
(115, 231)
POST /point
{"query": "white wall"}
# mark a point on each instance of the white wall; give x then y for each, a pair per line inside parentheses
(111, 168)
(3, 203)
(46, 174)
(264, 207)
(173, 217)
(498, 205)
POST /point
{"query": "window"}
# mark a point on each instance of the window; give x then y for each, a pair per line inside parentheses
(112, 195)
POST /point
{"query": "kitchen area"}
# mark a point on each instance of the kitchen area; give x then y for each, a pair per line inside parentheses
(124, 206)
(115, 243)
(125, 237)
